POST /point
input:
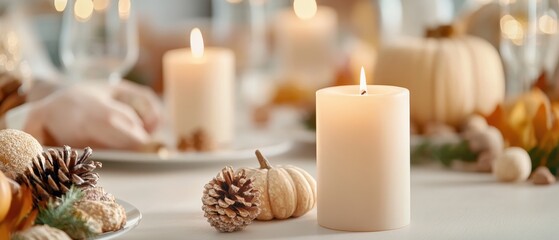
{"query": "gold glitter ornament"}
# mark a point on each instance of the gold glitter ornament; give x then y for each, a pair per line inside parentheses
(17, 150)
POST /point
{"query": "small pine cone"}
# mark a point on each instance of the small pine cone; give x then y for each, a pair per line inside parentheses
(53, 172)
(184, 144)
(230, 201)
(202, 141)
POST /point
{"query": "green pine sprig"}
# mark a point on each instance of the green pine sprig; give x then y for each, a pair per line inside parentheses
(444, 153)
(541, 157)
(61, 214)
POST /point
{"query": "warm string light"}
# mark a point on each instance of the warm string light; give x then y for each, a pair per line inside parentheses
(305, 9)
(83, 10)
(363, 83)
(548, 23)
(60, 5)
(100, 5)
(124, 8)
(196, 43)
(512, 29)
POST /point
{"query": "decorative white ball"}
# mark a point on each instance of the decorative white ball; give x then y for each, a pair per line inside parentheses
(513, 165)
(475, 123)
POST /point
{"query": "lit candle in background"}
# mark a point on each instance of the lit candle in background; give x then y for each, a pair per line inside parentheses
(199, 90)
(305, 39)
(363, 157)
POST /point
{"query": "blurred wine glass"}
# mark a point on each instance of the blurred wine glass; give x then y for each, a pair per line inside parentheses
(99, 39)
(527, 28)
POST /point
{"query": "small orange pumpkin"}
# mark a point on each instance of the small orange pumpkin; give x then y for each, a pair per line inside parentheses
(5, 196)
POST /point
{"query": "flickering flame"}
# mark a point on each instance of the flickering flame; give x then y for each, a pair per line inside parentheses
(363, 83)
(100, 5)
(83, 9)
(60, 5)
(124, 8)
(305, 9)
(196, 43)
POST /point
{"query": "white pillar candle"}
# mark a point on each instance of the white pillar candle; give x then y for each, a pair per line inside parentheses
(199, 90)
(363, 157)
(305, 39)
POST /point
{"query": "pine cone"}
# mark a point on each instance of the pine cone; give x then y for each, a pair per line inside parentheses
(199, 141)
(230, 201)
(54, 171)
(202, 141)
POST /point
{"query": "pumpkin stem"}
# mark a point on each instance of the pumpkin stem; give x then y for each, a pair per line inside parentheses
(264, 164)
(443, 31)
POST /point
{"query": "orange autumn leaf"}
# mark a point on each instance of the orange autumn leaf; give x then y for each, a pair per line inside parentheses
(541, 82)
(526, 136)
(517, 116)
(498, 118)
(541, 122)
(532, 101)
(555, 111)
(551, 138)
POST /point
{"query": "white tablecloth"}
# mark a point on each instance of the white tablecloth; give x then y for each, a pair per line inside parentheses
(445, 204)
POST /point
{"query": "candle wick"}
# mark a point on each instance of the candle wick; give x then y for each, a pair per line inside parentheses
(363, 82)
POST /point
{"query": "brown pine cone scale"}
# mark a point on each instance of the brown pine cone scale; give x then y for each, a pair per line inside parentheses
(230, 201)
(55, 170)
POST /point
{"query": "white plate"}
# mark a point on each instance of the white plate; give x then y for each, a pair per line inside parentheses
(133, 218)
(243, 148)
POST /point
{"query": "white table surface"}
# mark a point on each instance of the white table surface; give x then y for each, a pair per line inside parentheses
(445, 204)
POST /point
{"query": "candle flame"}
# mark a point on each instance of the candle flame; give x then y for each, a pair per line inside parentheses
(363, 83)
(305, 9)
(60, 5)
(196, 43)
(83, 9)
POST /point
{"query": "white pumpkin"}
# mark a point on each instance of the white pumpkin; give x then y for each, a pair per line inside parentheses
(285, 191)
(449, 77)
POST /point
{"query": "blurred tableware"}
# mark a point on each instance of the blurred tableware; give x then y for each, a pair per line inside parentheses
(527, 28)
(305, 37)
(243, 149)
(12, 64)
(412, 17)
(99, 39)
(241, 26)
